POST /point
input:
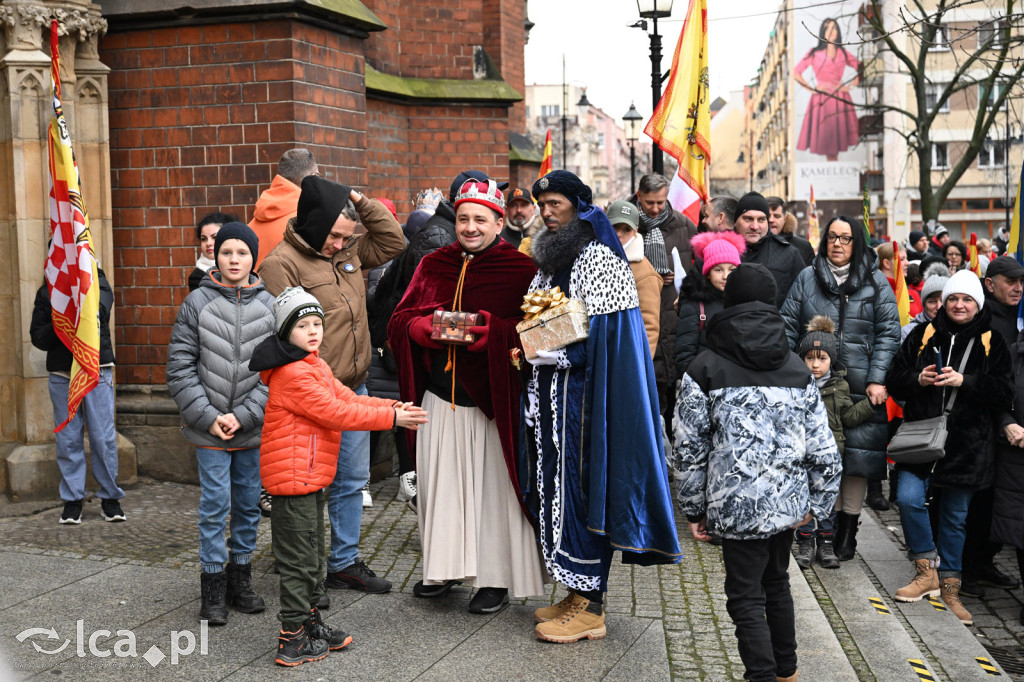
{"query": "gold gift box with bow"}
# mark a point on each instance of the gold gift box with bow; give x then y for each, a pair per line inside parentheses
(551, 321)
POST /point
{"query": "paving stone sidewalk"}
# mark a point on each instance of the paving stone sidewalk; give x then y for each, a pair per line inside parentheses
(666, 621)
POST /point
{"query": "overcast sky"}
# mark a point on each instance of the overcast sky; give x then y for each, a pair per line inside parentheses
(613, 61)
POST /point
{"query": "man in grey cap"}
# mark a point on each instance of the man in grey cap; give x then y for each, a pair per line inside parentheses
(770, 250)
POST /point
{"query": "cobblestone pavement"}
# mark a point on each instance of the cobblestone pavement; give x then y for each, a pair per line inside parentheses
(996, 616)
(161, 531)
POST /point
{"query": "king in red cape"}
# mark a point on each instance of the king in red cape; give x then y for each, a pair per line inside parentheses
(473, 526)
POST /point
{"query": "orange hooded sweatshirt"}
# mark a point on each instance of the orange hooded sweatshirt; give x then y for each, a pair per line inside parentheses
(275, 207)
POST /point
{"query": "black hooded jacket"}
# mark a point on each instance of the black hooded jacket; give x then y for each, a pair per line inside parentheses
(782, 260)
(58, 357)
(987, 392)
(691, 331)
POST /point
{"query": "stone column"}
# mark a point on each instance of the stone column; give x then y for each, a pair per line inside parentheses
(29, 469)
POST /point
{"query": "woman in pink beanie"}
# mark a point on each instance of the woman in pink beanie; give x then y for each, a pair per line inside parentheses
(715, 255)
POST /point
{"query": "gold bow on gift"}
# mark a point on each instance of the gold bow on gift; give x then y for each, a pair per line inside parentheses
(539, 301)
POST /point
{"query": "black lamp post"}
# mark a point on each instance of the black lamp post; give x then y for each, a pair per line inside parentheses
(632, 120)
(654, 10)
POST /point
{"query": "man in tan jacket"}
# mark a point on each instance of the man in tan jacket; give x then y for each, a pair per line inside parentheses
(625, 218)
(321, 253)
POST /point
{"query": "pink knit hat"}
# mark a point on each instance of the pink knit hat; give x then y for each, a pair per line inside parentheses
(717, 248)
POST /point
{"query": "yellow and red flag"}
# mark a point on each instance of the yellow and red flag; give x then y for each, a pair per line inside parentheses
(545, 162)
(972, 254)
(72, 275)
(813, 231)
(681, 123)
(902, 295)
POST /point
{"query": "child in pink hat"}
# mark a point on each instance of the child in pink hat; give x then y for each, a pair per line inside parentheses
(716, 254)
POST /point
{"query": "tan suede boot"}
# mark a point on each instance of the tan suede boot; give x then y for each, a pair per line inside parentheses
(951, 595)
(924, 584)
(791, 678)
(583, 619)
(546, 613)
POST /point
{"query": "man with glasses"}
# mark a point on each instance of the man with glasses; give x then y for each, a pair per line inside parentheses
(770, 250)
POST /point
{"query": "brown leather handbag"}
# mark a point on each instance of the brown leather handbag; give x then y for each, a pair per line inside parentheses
(452, 327)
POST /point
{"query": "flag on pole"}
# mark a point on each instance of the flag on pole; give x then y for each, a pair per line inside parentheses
(545, 162)
(1016, 245)
(72, 276)
(902, 295)
(813, 235)
(972, 255)
(867, 214)
(681, 123)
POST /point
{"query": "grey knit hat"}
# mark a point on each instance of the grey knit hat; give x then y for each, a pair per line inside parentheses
(293, 304)
(933, 285)
(821, 335)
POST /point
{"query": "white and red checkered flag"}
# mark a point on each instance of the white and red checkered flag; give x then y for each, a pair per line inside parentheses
(71, 271)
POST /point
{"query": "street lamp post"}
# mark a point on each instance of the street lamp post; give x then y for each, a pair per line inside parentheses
(654, 10)
(632, 120)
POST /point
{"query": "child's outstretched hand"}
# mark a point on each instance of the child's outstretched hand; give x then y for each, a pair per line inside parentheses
(408, 416)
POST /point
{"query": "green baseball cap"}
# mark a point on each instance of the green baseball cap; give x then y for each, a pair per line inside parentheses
(624, 213)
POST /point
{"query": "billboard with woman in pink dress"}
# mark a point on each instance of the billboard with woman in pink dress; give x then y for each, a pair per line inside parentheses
(825, 100)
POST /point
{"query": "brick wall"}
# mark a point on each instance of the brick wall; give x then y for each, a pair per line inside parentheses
(416, 147)
(426, 39)
(199, 117)
(504, 38)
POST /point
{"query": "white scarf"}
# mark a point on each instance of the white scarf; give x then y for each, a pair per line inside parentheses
(204, 263)
(634, 249)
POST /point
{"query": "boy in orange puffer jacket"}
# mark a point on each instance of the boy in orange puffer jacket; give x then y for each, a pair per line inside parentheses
(307, 410)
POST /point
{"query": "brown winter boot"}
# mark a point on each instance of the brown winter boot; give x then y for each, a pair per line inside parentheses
(924, 584)
(791, 678)
(583, 619)
(546, 613)
(951, 595)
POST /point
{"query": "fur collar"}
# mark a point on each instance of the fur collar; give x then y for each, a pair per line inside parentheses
(556, 251)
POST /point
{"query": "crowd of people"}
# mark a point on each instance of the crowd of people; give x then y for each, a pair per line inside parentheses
(764, 373)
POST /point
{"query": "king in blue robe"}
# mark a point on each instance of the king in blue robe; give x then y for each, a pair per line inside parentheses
(601, 475)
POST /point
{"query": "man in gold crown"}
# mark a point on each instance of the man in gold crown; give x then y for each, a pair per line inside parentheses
(473, 526)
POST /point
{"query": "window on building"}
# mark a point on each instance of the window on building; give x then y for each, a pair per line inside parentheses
(941, 41)
(600, 141)
(992, 154)
(527, 112)
(997, 31)
(994, 94)
(931, 96)
(940, 155)
(550, 110)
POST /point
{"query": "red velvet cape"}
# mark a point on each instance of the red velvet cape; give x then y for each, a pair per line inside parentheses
(495, 281)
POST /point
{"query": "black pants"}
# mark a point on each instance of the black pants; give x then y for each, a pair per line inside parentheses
(979, 550)
(760, 604)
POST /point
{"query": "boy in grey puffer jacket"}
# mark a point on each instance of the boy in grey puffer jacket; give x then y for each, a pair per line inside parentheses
(221, 403)
(754, 458)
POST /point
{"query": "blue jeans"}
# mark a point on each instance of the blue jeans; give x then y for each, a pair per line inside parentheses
(825, 525)
(97, 408)
(229, 480)
(953, 503)
(345, 497)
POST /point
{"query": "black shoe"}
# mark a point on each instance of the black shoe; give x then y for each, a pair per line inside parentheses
(318, 629)
(266, 502)
(72, 513)
(296, 648)
(214, 609)
(875, 499)
(111, 510)
(846, 535)
(804, 553)
(239, 593)
(969, 587)
(431, 591)
(992, 577)
(324, 602)
(358, 576)
(489, 600)
(826, 553)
